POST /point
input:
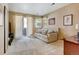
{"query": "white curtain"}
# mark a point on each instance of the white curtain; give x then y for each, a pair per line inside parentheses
(18, 26)
(29, 25)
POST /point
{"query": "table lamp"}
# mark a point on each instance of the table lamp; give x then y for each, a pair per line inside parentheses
(77, 31)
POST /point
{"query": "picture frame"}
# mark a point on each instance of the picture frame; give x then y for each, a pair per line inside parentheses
(68, 20)
(51, 21)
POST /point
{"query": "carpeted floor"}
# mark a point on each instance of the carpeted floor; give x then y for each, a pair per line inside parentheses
(34, 46)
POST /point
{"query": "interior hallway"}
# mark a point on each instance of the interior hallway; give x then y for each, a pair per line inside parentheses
(34, 46)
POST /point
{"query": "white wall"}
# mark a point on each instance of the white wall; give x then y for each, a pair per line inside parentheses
(2, 28)
(58, 14)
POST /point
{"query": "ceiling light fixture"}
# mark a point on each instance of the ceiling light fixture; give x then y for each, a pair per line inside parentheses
(53, 4)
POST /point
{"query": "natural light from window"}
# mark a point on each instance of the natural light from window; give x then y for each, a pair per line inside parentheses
(25, 22)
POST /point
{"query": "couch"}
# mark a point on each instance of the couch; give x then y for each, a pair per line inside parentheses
(46, 35)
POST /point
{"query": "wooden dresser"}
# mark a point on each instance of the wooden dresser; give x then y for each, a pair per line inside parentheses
(71, 46)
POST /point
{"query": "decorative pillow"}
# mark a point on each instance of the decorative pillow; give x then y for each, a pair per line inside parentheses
(44, 32)
(37, 31)
(49, 31)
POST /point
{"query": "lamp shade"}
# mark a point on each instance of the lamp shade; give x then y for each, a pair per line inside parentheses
(76, 27)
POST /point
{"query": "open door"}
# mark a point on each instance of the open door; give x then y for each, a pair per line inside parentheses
(24, 26)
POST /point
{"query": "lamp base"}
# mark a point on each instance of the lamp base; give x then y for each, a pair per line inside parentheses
(78, 36)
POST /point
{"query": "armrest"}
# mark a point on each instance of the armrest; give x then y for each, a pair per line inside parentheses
(48, 35)
(52, 35)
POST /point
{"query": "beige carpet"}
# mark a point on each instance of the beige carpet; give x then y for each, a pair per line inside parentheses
(34, 46)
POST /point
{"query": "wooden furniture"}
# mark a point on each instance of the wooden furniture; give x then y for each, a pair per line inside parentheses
(49, 37)
(71, 46)
(52, 37)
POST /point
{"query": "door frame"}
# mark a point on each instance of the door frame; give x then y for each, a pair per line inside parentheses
(23, 23)
(4, 31)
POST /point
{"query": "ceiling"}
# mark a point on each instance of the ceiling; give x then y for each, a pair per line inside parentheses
(39, 9)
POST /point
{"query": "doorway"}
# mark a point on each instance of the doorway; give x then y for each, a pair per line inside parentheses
(24, 26)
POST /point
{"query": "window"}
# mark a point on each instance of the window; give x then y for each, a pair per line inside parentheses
(38, 22)
(25, 22)
(25, 26)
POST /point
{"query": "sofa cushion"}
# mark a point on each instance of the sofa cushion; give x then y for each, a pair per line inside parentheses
(51, 31)
(39, 31)
(44, 32)
(41, 36)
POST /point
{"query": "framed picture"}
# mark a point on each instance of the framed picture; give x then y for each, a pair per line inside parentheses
(68, 20)
(51, 21)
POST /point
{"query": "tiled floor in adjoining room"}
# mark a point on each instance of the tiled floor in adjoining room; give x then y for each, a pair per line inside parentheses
(34, 46)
